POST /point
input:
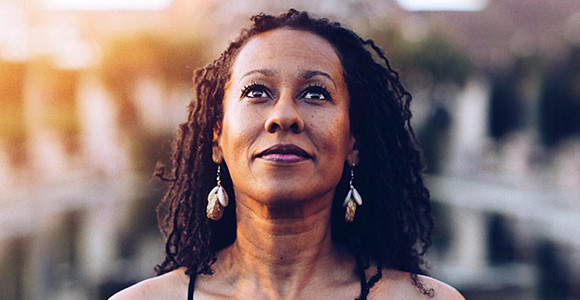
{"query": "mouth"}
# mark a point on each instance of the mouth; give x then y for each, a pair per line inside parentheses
(284, 153)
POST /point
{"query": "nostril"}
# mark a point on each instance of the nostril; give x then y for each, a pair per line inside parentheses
(272, 127)
(295, 127)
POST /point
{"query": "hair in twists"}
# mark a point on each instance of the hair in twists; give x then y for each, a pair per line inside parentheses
(391, 230)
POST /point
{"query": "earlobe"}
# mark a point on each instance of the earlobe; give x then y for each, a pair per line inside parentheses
(216, 154)
(352, 157)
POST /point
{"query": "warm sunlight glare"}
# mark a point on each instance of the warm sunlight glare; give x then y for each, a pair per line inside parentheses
(107, 4)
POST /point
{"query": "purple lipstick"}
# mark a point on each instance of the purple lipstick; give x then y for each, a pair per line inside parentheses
(284, 153)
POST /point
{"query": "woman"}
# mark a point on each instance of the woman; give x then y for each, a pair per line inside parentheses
(294, 116)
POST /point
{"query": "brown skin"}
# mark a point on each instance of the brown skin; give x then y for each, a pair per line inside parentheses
(289, 111)
(283, 248)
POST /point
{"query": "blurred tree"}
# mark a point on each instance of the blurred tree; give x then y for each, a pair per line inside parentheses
(437, 56)
(432, 59)
(169, 58)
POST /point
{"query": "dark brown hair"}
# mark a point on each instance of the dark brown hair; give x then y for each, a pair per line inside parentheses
(392, 229)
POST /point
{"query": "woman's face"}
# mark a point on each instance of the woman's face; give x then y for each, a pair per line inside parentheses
(285, 134)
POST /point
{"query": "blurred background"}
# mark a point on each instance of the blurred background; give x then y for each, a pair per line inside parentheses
(91, 93)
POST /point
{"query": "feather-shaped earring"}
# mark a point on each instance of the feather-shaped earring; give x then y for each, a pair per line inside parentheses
(351, 200)
(217, 200)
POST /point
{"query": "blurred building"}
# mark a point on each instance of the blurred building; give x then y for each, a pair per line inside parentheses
(90, 100)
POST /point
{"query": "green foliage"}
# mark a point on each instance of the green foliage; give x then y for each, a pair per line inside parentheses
(435, 57)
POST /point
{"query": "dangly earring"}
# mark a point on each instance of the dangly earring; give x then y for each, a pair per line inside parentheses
(351, 200)
(217, 199)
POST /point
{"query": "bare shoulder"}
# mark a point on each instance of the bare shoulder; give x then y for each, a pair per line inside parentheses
(441, 290)
(401, 285)
(171, 285)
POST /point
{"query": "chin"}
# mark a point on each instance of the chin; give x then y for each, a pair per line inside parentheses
(283, 195)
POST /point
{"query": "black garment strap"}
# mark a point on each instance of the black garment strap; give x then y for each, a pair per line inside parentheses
(191, 287)
(363, 285)
(363, 279)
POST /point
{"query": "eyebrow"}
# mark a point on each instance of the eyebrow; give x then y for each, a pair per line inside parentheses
(265, 72)
(311, 73)
(306, 74)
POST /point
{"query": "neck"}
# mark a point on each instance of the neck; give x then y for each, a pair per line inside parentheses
(284, 248)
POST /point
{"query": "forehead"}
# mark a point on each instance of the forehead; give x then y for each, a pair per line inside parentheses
(287, 49)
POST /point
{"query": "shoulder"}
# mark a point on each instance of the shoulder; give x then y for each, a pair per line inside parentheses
(171, 285)
(400, 285)
(441, 290)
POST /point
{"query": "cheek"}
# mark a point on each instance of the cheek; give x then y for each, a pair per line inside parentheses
(335, 133)
(238, 131)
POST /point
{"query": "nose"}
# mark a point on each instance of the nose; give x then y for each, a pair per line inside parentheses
(285, 116)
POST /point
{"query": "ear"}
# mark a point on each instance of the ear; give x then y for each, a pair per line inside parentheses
(352, 156)
(216, 151)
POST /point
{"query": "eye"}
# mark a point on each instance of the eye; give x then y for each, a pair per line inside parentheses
(255, 90)
(316, 92)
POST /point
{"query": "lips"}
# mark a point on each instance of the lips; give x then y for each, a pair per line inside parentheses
(284, 153)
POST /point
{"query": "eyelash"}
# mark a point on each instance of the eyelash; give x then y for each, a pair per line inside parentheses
(318, 88)
(253, 86)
